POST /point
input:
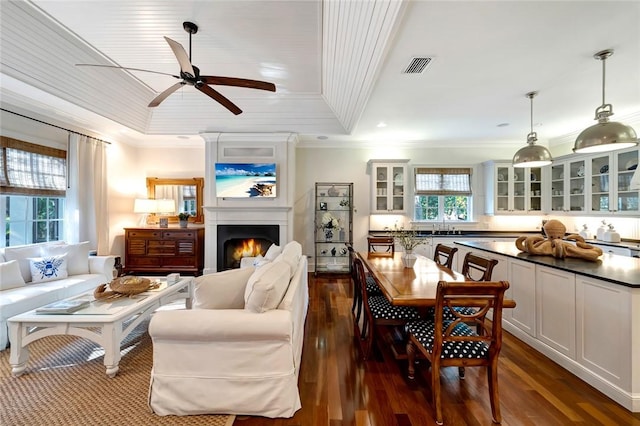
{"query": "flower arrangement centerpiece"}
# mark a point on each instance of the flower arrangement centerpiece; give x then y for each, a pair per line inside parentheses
(329, 225)
(408, 239)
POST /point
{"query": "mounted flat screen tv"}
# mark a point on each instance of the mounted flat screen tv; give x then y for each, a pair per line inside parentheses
(246, 180)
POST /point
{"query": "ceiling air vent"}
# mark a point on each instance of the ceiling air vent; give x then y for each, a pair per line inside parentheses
(417, 65)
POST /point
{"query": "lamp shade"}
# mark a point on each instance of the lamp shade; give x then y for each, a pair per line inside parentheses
(532, 156)
(605, 136)
(165, 206)
(144, 206)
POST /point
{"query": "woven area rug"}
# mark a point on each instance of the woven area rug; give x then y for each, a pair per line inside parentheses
(65, 384)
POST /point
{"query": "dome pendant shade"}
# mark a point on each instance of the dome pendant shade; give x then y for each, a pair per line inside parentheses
(606, 135)
(532, 155)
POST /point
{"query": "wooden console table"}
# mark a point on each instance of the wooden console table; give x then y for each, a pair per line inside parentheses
(164, 250)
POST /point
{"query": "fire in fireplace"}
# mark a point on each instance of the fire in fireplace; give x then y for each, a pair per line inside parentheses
(238, 241)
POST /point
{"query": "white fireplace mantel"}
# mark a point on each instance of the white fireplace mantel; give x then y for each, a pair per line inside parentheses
(278, 148)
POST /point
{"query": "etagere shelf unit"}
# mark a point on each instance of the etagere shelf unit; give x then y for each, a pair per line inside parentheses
(333, 226)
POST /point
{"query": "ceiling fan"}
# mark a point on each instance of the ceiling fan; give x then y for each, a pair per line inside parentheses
(190, 74)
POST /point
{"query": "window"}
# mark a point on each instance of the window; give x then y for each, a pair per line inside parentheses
(443, 194)
(33, 183)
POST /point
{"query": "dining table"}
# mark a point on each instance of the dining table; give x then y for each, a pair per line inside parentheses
(415, 286)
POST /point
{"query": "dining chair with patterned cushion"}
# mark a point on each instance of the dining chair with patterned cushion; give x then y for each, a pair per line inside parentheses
(445, 342)
(444, 255)
(372, 287)
(378, 312)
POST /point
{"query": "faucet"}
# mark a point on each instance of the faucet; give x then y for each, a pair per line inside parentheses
(445, 227)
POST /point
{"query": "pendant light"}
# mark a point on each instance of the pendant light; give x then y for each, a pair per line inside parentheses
(606, 135)
(532, 155)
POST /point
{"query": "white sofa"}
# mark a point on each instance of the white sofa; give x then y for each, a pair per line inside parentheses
(238, 350)
(20, 292)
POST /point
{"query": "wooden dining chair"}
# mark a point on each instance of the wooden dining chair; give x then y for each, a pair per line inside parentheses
(447, 343)
(477, 268)
(378, 312)
(444, 255)
(371, 286)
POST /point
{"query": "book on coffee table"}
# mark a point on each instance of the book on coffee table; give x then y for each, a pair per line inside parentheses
(64, 306)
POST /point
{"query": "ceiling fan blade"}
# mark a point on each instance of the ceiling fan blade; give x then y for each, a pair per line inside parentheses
(218, 97)
(125, 68)
(182, 57)
(162, 96)
(239, 82)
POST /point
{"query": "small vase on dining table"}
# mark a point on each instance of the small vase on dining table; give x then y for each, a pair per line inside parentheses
(408, 259)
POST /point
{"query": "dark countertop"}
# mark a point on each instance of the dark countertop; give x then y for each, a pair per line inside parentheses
(613, 268)
(625, 243)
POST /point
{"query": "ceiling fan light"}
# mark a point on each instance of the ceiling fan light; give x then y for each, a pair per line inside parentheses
(605, 136)
(532, 156)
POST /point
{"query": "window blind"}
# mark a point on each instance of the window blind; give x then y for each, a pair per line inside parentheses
(442, 181)
(30, 169)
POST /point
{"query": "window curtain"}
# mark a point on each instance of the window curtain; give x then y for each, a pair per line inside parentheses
(86, 198)
(443, 181)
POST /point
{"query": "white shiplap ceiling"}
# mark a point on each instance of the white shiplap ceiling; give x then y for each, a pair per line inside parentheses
(337, 66)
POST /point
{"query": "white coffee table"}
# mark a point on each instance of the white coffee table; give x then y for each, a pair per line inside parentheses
(105, 322)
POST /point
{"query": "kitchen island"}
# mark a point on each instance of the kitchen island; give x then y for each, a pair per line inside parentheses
(583, 315)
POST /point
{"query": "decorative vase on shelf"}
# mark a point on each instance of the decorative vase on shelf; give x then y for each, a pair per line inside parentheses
(328, 234)
(408, 259)
(184, 223)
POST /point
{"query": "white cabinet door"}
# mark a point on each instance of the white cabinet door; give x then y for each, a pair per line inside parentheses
(611, 175)
(604, 330)
(522, 280)
(389, 185)
(556, 309)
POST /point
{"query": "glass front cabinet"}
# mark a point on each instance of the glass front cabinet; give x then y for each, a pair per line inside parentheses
(611, 175)
(333, 226)
(568, 180)
(512, 190)
(389, 185)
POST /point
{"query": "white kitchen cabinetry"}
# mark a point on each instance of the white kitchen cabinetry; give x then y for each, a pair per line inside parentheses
(556, 309)
(522, 280)
(610, 178)
(605, 330)
(511, 190)
(388, 187)
(568, 183)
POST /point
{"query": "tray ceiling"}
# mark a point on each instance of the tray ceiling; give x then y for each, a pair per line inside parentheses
(337, 65)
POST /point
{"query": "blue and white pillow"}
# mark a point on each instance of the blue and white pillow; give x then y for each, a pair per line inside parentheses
(48, 268)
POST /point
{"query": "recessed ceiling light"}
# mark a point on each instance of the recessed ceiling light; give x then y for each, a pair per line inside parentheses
(503, 125)
(381, 124)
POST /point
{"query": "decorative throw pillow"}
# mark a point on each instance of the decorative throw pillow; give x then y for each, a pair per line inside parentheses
(22, 255)
(221, 290)
(273, 251)
(291, 254)
(48, 268)
(77, 256)
(10, 276)
(267, 286)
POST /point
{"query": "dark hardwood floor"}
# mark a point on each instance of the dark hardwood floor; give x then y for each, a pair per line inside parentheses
(338, 388)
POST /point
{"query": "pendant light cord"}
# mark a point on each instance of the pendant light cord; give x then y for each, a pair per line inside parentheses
(604, 60)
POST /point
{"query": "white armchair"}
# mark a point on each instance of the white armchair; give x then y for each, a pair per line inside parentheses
(225, 356)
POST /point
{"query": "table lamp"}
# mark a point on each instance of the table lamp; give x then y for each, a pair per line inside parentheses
(144, 207)
(165, 206)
